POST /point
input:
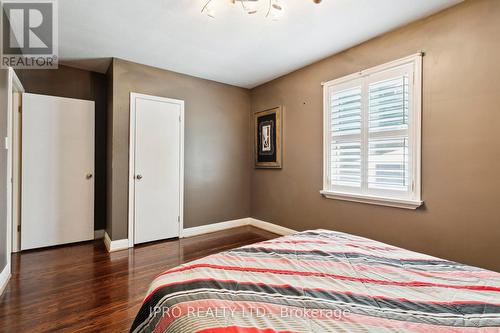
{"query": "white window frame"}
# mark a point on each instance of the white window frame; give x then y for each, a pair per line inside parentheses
(411, 199)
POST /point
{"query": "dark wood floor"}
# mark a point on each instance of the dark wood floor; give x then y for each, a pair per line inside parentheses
(82, 288)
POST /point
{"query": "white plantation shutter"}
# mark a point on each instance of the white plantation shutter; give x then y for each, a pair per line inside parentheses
(345, 120)
(388, 164)
(388, 151)
(346, 112)
(372, 138)
(389, 101)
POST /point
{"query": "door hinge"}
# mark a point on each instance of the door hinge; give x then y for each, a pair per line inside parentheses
(179, 118)
(178, 219)
(19, 228)
(20, 109)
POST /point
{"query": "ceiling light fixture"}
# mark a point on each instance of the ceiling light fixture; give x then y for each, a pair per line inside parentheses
(274, 7)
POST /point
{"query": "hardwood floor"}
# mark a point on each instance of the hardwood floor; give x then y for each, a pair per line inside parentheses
(83, 288)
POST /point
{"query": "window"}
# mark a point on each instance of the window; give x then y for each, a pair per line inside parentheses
(372, 135)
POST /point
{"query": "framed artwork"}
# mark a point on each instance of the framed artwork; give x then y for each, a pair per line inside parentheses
(268, 138)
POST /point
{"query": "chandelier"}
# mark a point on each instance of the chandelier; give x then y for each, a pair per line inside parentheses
(271, 8)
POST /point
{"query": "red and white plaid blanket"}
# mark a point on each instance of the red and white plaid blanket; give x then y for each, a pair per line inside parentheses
(321, 281)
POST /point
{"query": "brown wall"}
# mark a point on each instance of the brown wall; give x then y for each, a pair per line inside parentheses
(461, 154)
(76, 83)
(109, 154)
(217, 162)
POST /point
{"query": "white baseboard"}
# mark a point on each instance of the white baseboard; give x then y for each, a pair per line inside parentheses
(271, 227)
(4, 278)
(122, 244)
(117, 245)
(99, 234)
(213, 227)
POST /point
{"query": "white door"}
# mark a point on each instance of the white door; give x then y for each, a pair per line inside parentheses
(157, 167)
(57, 191)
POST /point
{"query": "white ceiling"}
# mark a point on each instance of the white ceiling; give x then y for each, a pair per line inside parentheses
(234, 48)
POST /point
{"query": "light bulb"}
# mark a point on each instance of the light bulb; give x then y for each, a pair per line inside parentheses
(250, 6)
(210, 11)
(276, 10)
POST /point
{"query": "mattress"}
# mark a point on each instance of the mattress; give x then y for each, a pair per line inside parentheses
(321, 281)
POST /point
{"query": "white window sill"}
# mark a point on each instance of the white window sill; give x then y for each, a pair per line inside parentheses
(374, 200)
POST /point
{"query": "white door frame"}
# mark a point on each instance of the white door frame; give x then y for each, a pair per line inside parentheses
(12, 205)
(131, 178)
(15, 156)
(13, 85)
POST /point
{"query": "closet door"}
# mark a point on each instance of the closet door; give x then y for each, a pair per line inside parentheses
(157, 174)
(57, 195)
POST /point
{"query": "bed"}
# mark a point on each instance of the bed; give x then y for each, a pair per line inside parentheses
(321, 281)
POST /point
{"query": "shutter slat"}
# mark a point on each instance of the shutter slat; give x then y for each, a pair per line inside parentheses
(345, 108)
(345, 163)
(388, 104)
(388, 164)
(346, 117)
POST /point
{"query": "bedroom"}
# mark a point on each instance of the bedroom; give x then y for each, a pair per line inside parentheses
(401, 197)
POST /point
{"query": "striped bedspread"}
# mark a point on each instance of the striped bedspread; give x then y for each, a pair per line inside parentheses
(321, 281)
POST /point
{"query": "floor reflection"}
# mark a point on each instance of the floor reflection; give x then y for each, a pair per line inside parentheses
(83, 287)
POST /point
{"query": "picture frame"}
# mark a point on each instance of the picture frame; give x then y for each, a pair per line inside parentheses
(268, 138)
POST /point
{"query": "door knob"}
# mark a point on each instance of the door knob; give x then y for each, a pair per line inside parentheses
(139, 177)
(89, 175)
